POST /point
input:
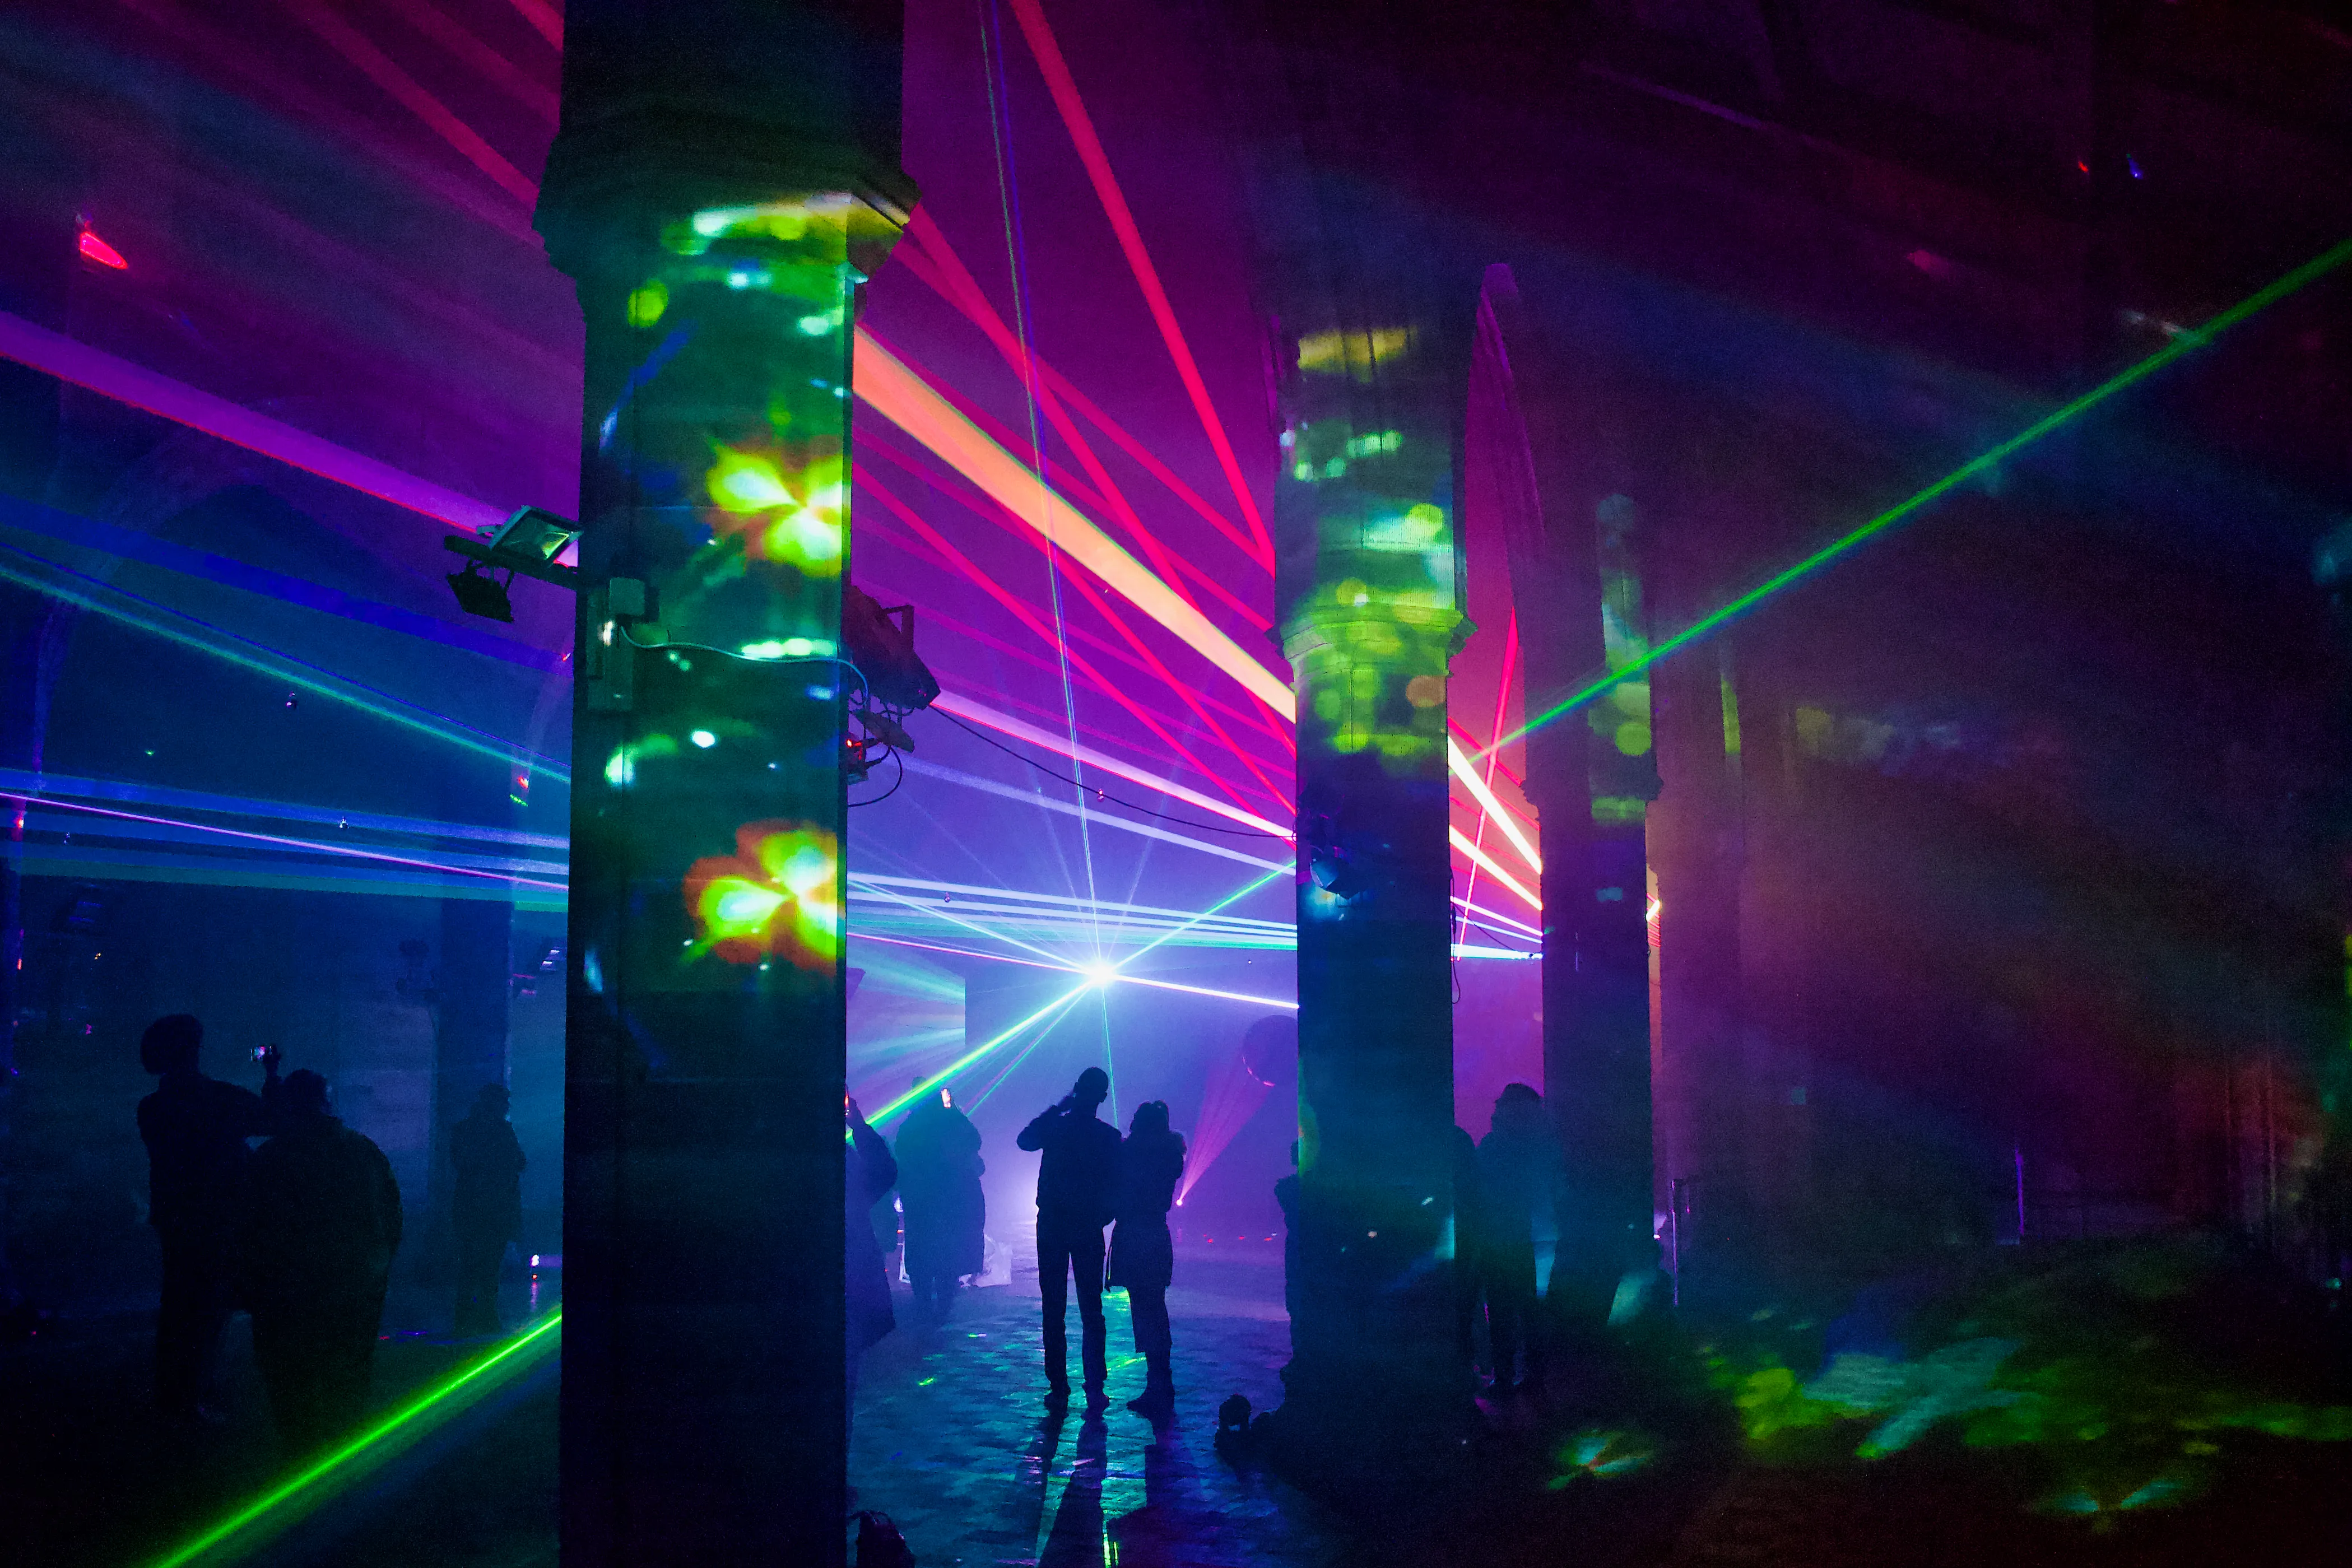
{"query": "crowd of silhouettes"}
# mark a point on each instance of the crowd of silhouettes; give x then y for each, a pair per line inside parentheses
(301, 1232)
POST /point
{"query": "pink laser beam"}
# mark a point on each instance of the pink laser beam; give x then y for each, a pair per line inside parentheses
(1064, 89)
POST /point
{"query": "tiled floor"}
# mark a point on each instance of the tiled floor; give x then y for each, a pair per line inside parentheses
(954, 1442)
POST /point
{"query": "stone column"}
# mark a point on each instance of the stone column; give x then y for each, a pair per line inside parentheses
(1575, 579)
(1370, 348)
(725, 177)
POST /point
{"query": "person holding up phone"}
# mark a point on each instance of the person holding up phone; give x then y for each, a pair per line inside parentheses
(198, 1167)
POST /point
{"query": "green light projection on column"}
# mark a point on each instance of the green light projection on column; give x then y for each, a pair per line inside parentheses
(1371, 645)
(741, 452)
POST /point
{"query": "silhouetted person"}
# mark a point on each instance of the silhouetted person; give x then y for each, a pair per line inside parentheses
(1074, 1192)
(1142, 1257)
(487, 1159)
(1520, 1167)
(318, 1238)
(198, 1165)
(938, 1186)
(868, 1171)
(1286, 1194)
(1469, 1244)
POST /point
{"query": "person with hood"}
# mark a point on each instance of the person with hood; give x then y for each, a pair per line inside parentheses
(946, 1213)
(868, 1171)
(320, 1230)
(198, 1165)
(1075, 1193)
(485, 1158)
(1142, 1257)
(1520, 1171)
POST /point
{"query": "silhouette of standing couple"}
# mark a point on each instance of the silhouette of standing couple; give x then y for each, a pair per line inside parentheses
(1090, 1178)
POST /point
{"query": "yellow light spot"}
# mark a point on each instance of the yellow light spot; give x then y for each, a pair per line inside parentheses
(647, 301)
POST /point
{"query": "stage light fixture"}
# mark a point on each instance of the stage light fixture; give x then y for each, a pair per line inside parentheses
(881, 642)
(479, 593)
(1100, 974)
(528, 542)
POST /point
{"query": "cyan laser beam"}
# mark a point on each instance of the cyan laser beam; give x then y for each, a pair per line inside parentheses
(2188, 341)
(279, 667)
(523, 1350)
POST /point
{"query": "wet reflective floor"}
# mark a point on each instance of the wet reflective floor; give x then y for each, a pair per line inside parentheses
(954, 1441)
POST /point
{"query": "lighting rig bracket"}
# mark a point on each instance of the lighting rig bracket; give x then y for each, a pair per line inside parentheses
(526, 544)
(879, 641)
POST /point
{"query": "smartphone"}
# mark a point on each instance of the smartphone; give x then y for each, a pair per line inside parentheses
(261, 1052)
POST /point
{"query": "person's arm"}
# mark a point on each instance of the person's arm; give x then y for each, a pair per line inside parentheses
(1033, 1136)
(273, 1094)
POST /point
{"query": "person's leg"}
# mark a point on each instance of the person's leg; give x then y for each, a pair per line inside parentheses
(190, 1316)
(1086, 1264)
(1053, 1285)
(1502, 1319)
(288, 1347)
(1511, 1311)
(1160, 1345)
(1466, 1307)
(177, 1314)
(349, 1367)
(479, 1257)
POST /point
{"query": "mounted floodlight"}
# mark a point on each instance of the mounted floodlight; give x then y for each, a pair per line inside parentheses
(881, 643)
(528, 542)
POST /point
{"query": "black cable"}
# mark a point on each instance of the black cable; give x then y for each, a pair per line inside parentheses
(1103, 795)
(886, 794)
(863, 684)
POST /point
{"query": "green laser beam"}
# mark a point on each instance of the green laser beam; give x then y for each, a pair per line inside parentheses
(2188, 341)
(1208, 914)
(1013, 1066)
(438, 727)
(541, 1337)
(974, 1054)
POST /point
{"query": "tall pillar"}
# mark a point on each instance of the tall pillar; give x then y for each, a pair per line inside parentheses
(1702, 1089)
(1572, 550)
(725, 176)
(1371, 354)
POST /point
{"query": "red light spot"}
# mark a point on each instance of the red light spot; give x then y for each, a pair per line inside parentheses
(98, 251)
(2082, 166)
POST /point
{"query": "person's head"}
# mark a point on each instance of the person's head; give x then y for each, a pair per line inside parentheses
(1151, 1120)
(492, 1101)
(170, 1044)
(306, 1094)
(1093, 1087)
(1517, 1106)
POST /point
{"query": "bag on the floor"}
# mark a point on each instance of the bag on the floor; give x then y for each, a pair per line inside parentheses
(879, 1544)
